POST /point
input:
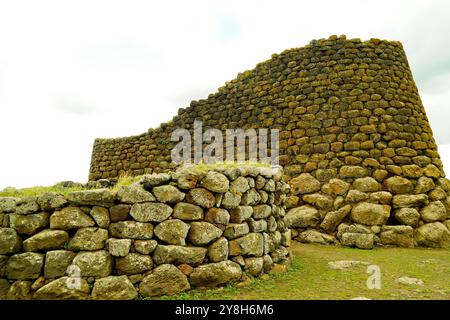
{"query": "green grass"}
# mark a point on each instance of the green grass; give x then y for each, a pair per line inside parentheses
(36, 191)
(309, 276)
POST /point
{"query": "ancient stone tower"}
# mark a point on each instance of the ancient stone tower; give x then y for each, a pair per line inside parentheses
(355, 142)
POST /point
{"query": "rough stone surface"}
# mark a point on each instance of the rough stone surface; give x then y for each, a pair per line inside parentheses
(435, 211)
(46, 240)
(398, 185)
(433, 234)
(168, 194)
(218, 216)
(235, 230)
(94, 263)
(251, 244)
(148, 181)
(408, 216)
(10, 241)
(25, 266)
(215, 182)
(88, 239)
(7, 204)
(119, 247)
(214, 274)
(187, 211)
(313, 236)
(304, 183)
(401, 236)
(172, 254)
(240, 214)
(134, 194)
(203, 233)
(26, 205)
(131, 230)
(359, 240)
(50, 201)
(101, 216)
(98, 197)
(133, 263)
(150, 212)
(70, 218)
(334, 218)
(145, 246)
(230, 200)
(366, 184)
(114, 288)
(218, 250)
(59, 290)
(165, 279)
(201, 197)
(302, 217)
(172, 231)
(370, 213)
(408, 201)
(119, 212)
(57, 262)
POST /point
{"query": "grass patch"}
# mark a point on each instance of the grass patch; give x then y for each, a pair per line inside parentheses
(125, 179)
(37, 191)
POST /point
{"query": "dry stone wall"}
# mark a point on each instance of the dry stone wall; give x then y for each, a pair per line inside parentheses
(355, 142)
(161, 236)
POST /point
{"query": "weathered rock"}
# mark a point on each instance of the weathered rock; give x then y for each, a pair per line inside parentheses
(334, 218)
(145, 246)
(29, 224)
(356, 196)
(409, 281)
(251, 244)
(25, 266)
(88, 239)
(10, 241)
(100, 216)
(398, 185)
(382, 197)
(359, 240)
(235, 230)
(408, 201)
(114, 288)
(215, 182)
(187, 211)
(352, 172)
(366, 184)
(433, 234)
(250, 198)
(165, 279)
(57, 262)
(319, 201)
(401, 236)
(215, 274)
(254, 265)
(3, 261)
(201, 197)
(20, 290)
(97, 197)
(432, 171)
(230, 200)
(64, 288)
(133, 263)
(50, 201)
(26, 205)
(370, 213)
(218, 251)
(313, 236)
(131, 230)
(345, 264)
(261, 211)
(119, 247)
(150, 211)
(424, 185)
(435, 211)
(338, 186)
(46, 240)
(7, 204)
(352, 228)
(187, 180)
(94, 263)
(302, 217)
(203, 233)
(258, 225)
(168, 194)
(218, 216)
(134, 194)
(437, 194)
(4, 288)
(304, 183)
(172, 231)
(119, 212)
(240, 185)
(408, 216)
(280, 255)
(178, 255)
(70, 218)
(148, 181)
(241, 213)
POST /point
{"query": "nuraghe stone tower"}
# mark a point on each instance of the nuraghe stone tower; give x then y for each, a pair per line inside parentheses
(355, 142)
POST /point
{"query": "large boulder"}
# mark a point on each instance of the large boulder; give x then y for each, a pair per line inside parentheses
(370, 213)
(218, 216)
(165, 279)
(57, 262)
(172, 231)
(203, 233)
(302, 217)
(201, 197)
(239, 185)
(46, 240)
(131, 230)
(251, 197)
(26, 205)
(133, 263)
(134, 194)
(215, 182)
(408, 201)
(50, 201)
(214, 274)
(434, 211)
(401, 236)
(100, 216)
(94, 263)
(172, 254)
(261, 211)
(424, 184)
(88, 239)
(97, 197)
(168, 194)
(251, 244)
(359, 240)
(65, 288)
(70, 218)
(119, 212)
(187, 211)
(10, 241)
(150, 211)
(240, 214)
(319, 201)
(408, 216)
(218, 250)
(148, 181)
(366, 184)
(314, 236)
(25, 266)
(433, 234)
(304, 183)
(29, 224)
(119, 247)
(338, 187)
(114, 288)
(230, 200)
(398, 185)
(145, 246)
(334, 218)
(234, 230)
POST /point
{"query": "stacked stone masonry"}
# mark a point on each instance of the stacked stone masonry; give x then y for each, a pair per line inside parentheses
(355, 142)
(163, 235)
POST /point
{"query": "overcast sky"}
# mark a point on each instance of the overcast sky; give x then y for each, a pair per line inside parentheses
(71, 71)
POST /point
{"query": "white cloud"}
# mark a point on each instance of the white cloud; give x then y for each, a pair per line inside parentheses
(74, 71)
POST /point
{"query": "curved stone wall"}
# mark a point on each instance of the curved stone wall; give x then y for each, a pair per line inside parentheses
(161, 236)
(346, 109)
